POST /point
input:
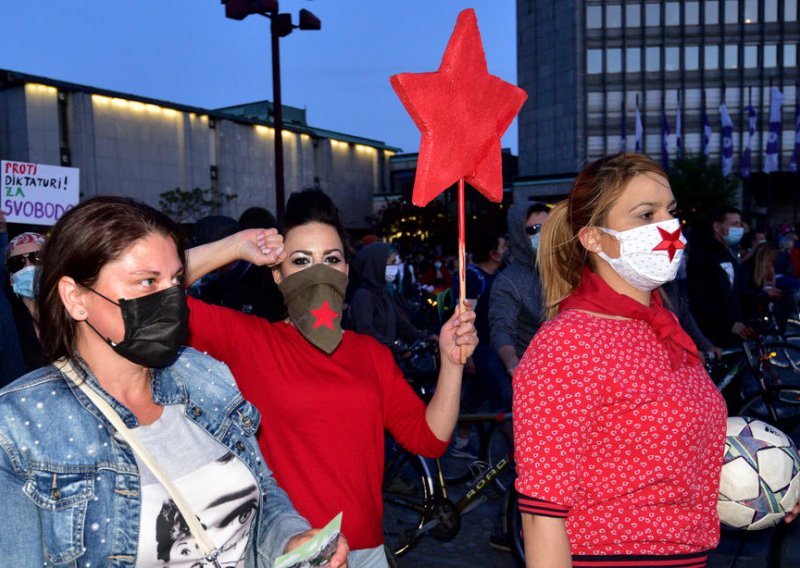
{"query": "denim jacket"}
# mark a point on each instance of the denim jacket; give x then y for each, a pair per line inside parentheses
(69, 484)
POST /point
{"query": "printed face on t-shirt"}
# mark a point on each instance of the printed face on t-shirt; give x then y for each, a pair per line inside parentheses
(224, 506)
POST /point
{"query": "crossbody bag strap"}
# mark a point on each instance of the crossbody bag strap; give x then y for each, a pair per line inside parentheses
(207, 547)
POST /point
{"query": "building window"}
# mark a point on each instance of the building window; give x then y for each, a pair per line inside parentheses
(711, 57)
(750, 11)
(750, 56)
(594, 17)
(613, 16)
(712, 12)
(731, 56)
(770, 55)
(691, 13)
(672, 58)
(653, 58)
(789, 10)
(789, 55)
(633, 16)
(633, 60)
(731, 11)
(672, 14)
(691, 58)
(770, 10)
(652, 14)
(594, 61)
(614, 60)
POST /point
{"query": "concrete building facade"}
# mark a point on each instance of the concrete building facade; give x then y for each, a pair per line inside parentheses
(140, 147)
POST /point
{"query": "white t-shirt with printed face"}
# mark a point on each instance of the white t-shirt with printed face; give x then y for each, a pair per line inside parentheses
(219, 488)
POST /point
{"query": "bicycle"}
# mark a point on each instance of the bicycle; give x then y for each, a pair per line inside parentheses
(416, 500)
(776, 398)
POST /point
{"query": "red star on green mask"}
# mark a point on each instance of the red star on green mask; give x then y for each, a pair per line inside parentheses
(324, 316)
(670, 242)
(462, 112)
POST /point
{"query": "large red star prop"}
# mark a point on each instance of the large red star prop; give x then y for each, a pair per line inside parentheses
(325, 315)
(462, 112)
(670, 242)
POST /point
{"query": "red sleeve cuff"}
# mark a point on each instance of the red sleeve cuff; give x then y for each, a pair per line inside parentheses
(540, 507)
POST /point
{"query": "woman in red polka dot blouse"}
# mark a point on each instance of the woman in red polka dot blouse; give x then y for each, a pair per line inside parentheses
(619, 430)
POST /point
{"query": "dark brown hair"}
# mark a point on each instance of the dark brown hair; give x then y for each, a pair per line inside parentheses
(83, 241)
(314, 206)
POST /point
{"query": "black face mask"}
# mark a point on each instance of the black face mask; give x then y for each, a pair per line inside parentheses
(156, 326)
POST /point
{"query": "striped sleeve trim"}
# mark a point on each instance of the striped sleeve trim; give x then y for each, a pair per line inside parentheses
(695, 560)
(543, 508)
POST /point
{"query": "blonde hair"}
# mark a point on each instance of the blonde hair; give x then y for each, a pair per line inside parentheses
(763, 269)
(560, 256)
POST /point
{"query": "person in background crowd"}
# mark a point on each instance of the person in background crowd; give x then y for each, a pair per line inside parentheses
(757, 286)
(710, 273)
(373, 310)
(256, 292)
(437, 276)
(608, 382)
(328, 395)
(491, 385)
(22, 258)
(112, 317)
(515, 305)
(12, 364)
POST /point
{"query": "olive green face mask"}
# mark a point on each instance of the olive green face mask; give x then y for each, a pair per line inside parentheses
(314, 299)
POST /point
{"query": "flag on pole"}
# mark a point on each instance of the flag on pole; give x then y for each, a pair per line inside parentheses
(748, 141)
(639, 128)
(678, 137)
(706, 134)
(727, 140)
(771, 161)
(664, 141)
(796, 151)
(623, 139)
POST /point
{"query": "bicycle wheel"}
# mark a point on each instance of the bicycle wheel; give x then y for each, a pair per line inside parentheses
(512, 520)
(407, 493)
(783, 402)
(499, 446)
(785, 363)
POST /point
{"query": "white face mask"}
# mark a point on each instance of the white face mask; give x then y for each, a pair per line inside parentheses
(391, 272)
(649, 256)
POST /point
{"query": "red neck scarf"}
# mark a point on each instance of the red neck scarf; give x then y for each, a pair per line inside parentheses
(594, 295)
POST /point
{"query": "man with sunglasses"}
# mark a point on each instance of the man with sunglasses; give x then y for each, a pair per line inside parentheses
(515, 306)
(22, 258)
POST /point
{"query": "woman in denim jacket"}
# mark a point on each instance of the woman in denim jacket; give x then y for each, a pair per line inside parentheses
(73, 491)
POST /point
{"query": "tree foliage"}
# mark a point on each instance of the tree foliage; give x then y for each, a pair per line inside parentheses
(191, 205)
(699, 187)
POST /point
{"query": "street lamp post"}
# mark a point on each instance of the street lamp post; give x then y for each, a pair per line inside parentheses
(280, 26)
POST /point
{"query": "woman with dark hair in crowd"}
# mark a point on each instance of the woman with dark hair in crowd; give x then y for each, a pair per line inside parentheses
(327, 395)
(618, 429)
(80, 488)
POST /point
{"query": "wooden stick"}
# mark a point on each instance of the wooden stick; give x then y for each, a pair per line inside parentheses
(462, 259)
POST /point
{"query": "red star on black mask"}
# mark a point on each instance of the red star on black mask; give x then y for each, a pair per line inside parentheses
(324, 315)
(670, 242)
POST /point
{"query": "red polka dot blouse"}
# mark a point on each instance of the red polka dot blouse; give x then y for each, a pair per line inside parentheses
(608, 436)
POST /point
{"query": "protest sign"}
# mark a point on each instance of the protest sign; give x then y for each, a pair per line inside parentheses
(37, 193)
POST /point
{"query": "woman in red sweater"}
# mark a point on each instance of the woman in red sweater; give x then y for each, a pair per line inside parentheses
(326, 396)
(618, 429)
